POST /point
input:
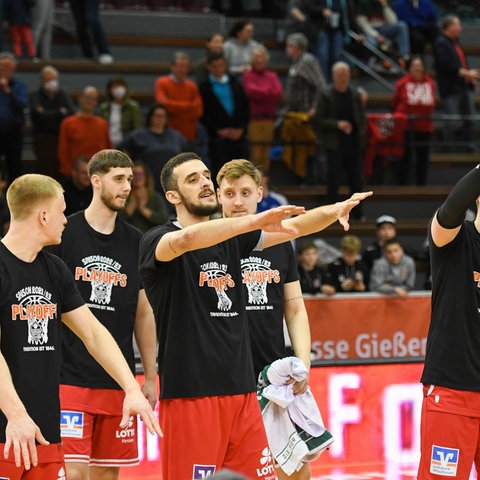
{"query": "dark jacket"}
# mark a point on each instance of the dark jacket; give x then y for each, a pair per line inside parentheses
(214, 115)
(52, 111)
(447, 64)
(325, 119)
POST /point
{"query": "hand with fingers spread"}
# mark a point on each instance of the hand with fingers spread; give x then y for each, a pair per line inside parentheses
(271, 220)
(344, 208)
(135, 402)
(21, 433)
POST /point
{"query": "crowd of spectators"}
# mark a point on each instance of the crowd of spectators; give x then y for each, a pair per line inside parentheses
(229, 103)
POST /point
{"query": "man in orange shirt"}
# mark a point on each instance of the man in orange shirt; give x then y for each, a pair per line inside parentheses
(83, 133)
(181, 97)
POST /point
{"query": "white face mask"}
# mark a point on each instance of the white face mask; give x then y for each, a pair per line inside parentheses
(119, 92)
(51, 86)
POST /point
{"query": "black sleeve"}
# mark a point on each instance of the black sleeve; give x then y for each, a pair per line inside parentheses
(452, 212)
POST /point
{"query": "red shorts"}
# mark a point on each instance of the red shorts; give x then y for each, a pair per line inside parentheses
(449, 433)
(205, 434)
(89, 425)
(51, 465)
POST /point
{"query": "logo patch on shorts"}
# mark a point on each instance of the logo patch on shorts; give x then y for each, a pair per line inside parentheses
(444, 461)
(71, 424)
(202, 471)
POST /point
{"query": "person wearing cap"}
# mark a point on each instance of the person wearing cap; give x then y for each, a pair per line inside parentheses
(348, 273)
(394, 272)
(386, 230)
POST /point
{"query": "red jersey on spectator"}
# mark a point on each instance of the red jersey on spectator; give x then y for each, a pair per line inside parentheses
(416, 98)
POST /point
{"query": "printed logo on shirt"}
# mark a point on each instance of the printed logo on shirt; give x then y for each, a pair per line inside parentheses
(71, 424)
(62, 475)
(214, 275)
(257, 275)
(34, 305)
(444, 461)
(202, 471)
(266, 469)
(126, 434)
(476, 278)
(103, 273)
(419, 93)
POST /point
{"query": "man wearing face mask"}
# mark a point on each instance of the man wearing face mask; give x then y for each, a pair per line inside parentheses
(119, 110)
(49, 105)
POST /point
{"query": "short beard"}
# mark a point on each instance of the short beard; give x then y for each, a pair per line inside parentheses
(108, 202)
(199, 210)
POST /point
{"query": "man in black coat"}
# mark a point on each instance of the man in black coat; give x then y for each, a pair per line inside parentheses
(456, 80)
(226, 114)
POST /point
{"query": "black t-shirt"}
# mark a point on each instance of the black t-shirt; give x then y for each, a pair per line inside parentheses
(453, 343)
(311, 281)
(264, 275)
(105, 268)
(339, 271)
(32, 298)
(199, 307)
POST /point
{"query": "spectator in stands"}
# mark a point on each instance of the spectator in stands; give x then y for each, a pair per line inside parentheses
(455, 79)
(239, 46)
(155, 143)
(305, 83)
(326, 25)
(349, 273)
(386, 230)
(18, 14)
(120, 111)
(88, 26)
(313, 278)
(145, 207)
(214, 45)
(340, 116)
(83, 133)
(415, 96)
(380, 24)
(394, 272)
(264, 92)
(181, 97)
(49, 105)
(421, 16)
(226, 114)
(270, 198)
(77, 187)
(42, 27)
(13, 102)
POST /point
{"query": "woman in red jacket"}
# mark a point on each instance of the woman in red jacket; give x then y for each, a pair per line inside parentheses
(415, 96)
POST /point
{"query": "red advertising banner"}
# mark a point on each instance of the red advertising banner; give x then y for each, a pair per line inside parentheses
(373, 412)
(364, 326)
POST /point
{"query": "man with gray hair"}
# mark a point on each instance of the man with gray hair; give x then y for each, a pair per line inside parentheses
(13, 101)
(340, 116)
(305, 83)
(49, 105)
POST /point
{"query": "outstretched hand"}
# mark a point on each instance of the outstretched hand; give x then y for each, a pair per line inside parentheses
(135, 402)
(344, 208)
(271, 220)
(21, 433)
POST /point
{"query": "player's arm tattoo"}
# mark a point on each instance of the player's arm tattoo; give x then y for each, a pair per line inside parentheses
(170, 245)
(291, 299)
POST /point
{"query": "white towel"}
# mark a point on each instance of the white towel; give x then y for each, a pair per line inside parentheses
(284, 410)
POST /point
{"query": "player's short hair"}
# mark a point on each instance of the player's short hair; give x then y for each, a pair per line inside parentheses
(104, 160)
(167, 177)
(237, 168)
(27, 191)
